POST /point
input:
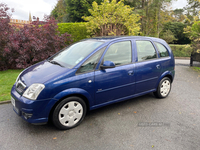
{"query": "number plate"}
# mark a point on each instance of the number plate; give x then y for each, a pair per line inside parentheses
(13, 101)
(16, 110)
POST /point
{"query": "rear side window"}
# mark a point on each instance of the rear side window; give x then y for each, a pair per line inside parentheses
(162, 50)
(145, 50)
(119, 53)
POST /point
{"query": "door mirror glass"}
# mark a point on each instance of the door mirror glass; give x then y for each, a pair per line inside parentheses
(108, 64)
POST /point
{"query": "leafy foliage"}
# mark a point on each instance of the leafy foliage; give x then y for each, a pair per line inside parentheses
(78, 31)
(34, 43)
(194, 34)
(177, 29)
(154, 13)
(181, 50)
(24, 46)
(168, 36)
(179, 15)
(112, 18)
(192, 9)
(78, 8)
(59, 12)
(5, 31)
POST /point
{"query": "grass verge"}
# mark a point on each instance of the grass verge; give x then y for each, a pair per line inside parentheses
(7, 79)
(196, 69)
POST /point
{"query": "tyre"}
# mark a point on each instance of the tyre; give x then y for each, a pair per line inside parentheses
(69, 113)
(163, 88)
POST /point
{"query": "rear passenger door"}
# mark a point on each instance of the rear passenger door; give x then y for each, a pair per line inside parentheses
(148, 67)
(165, 59)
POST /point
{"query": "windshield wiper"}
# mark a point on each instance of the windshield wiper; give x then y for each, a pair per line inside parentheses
(55, 62)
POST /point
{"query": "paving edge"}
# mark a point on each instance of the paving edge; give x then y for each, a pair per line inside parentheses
(5, 102)
(182, 57)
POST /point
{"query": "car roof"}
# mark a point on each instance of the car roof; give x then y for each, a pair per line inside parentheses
(113, 38)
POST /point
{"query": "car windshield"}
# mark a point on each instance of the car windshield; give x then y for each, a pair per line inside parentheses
(72, 55)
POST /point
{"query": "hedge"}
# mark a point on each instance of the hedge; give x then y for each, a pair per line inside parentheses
(181, 50)
(77, 30)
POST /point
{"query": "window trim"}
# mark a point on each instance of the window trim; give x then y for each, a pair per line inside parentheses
(155, 48)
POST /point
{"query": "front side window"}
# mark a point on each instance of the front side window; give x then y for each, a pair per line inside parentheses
(90, 64)
(72, 55)
(145, 50)
(162, 50)
(119, 53)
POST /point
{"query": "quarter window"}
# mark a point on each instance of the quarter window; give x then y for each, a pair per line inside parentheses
(90, 64)
(145, 50)
(119, 53)
(162, 50)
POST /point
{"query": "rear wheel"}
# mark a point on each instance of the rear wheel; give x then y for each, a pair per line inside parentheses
(163, 88)
(69, 113)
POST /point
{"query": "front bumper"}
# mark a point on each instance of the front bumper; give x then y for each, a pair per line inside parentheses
(33, 111)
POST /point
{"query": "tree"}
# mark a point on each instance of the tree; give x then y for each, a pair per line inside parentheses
(179, 15)
(78, 8)
(5, 31)
(154, 13)
(194, 34)
(112, 18)
(59, 12)
(168, 36)
(177, 28)
(192, 9)
(72, 10)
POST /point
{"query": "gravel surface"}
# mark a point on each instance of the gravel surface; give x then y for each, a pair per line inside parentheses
(142, 123)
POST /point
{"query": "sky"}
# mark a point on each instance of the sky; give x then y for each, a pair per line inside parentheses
(179, 4)
(40, 7)
(37, 8)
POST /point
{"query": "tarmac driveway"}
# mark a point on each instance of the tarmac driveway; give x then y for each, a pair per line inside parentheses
(142, 123)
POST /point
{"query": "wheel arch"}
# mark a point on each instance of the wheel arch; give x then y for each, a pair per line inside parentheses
(165, 74)
(170, 77)
(65, 94)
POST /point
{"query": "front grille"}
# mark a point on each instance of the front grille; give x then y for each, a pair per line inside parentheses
(20, 86)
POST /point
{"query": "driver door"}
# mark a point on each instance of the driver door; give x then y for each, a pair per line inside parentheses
(113, 84)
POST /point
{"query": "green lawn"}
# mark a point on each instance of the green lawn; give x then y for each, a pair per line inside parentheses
(196, 69)
(7, 79)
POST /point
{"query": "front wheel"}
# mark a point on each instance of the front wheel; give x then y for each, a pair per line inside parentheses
(163, 88)
(69, 113)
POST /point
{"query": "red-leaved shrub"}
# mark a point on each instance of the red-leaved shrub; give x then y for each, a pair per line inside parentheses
(5, 31)
(27, 45)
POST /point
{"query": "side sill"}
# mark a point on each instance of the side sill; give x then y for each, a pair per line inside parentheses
(121, 99)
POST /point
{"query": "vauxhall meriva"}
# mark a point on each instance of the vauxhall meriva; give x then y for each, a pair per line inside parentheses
(90, 74)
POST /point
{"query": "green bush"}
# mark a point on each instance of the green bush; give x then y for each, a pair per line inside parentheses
(181, 50)
(77, 30)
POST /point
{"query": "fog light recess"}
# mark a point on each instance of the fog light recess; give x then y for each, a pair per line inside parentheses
(26, 115)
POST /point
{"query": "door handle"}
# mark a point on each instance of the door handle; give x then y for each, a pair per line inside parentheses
(130, 73)
(158, 66)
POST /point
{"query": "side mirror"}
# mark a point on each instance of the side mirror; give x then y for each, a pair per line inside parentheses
(108, 64)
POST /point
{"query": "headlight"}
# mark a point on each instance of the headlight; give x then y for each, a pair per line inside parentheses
(33, 91)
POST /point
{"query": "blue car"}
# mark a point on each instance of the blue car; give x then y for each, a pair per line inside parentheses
(90, 74)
